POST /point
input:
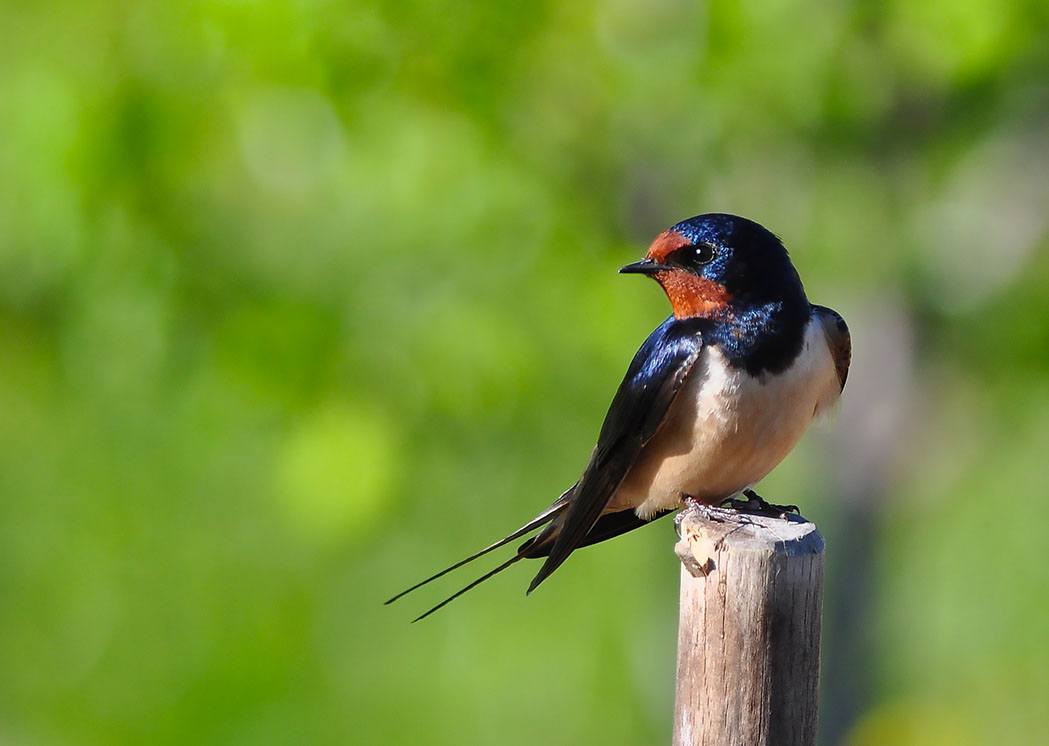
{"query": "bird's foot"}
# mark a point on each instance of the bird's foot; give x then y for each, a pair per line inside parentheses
(715, 513)
(694, 506)
(755, 504)
(690, 504)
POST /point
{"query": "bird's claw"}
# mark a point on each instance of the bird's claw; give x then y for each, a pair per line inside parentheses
(691, 504)
(755, 504)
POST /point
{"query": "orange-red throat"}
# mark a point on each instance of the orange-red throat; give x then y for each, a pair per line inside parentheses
(690, 295)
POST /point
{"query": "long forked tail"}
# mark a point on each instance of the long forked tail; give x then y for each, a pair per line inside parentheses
(543, 518)
(472, 585)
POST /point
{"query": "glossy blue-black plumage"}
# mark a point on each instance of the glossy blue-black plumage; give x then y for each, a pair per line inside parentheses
(763, 339)
(654, 377)
(762, 328)
(671, 345)
(751, 263)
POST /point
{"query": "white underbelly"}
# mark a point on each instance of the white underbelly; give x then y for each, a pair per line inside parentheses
(727, 429)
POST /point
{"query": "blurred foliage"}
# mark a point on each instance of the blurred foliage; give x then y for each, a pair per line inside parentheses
(300, 301)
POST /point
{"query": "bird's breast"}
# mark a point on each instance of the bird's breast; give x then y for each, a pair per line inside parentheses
(727, 429)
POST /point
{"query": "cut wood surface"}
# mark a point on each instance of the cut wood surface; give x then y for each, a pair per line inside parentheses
(749, 629)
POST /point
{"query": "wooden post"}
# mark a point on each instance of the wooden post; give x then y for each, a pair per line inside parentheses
(749, 629)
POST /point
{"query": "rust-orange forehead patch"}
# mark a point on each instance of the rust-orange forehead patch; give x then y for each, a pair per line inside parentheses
(665, 244)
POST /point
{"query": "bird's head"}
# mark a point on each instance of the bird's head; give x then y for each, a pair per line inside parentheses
(713, 264)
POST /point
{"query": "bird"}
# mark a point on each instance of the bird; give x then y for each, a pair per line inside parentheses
(714, 399)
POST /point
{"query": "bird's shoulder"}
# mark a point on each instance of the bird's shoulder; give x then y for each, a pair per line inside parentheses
(761, 338)
(655, 376)
(652, 380)
(674, 341)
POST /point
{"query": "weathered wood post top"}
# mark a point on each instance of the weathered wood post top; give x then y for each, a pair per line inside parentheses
(749, 629)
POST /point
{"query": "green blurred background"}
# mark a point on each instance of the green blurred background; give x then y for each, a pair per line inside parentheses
(300, 301)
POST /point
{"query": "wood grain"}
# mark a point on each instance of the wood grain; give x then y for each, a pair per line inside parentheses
(749, 630)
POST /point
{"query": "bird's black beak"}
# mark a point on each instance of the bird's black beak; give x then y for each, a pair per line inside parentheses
(645, 267)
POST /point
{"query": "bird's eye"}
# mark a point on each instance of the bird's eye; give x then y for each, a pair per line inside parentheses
(703, 253)
(693, 257)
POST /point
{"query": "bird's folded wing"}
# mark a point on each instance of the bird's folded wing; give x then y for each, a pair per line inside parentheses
(838, 339)
(656, 374)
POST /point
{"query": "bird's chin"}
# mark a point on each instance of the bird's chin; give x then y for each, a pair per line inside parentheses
(694, 297)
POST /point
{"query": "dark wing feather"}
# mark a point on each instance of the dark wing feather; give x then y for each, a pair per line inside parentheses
(655, 376)
(838, 339)
(607, 527)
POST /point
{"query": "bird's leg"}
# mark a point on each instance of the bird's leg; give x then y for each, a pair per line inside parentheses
(757, 505)
(690, 504)
(715, 513)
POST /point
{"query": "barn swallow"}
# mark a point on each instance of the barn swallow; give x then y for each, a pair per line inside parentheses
(715, 398)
